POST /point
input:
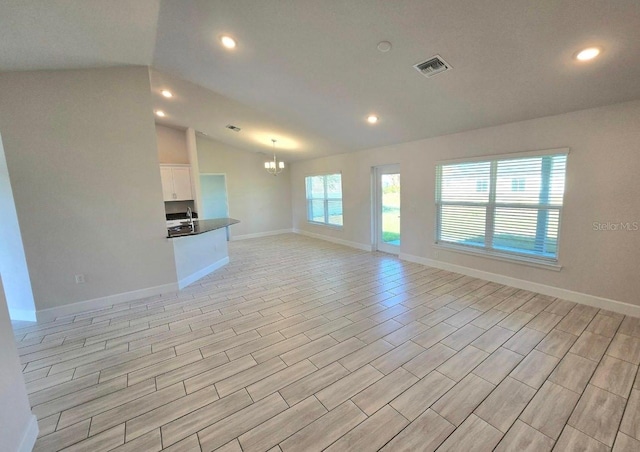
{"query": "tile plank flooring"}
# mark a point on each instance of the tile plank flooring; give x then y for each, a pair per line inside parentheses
(301, 345)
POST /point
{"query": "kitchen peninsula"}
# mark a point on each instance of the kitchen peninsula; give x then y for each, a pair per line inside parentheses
(201, 249)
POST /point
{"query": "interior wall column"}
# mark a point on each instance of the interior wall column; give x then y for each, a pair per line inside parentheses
(192, 150)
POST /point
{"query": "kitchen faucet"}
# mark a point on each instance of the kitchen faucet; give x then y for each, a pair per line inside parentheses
(190, 216)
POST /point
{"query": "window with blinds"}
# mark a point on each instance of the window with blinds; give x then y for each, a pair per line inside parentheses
(509, 205)
(324, 199)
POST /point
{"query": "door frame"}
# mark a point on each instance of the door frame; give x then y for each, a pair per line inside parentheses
(376, 214)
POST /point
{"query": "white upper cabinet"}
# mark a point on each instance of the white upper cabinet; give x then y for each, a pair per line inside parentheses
(182, 183)
(176, 183)
(167, 183)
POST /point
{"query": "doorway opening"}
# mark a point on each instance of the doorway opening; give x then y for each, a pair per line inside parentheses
(213, 192)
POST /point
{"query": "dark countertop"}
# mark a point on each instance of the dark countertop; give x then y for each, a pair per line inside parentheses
(200, 227)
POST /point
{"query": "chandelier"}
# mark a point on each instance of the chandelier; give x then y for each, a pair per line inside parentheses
(274, 167)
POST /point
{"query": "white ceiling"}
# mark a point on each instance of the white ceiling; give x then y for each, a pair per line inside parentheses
(60, 34)
(308, 72)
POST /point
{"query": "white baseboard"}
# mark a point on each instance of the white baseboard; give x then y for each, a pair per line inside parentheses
(356, 245)
(184, 282)
(45, 315)
(30, 435)
(565, 294)
(260, 234)
(22, 314)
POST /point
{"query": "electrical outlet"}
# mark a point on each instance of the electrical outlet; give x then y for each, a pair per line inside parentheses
(80, 279)
(436, 254)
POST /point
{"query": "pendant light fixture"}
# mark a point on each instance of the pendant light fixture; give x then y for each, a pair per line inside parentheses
(275, 166)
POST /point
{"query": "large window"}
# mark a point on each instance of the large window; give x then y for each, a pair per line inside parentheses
(509, 206)
(324, 199)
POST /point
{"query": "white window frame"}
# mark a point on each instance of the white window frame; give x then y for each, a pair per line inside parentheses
(491, 205)
(325, 199)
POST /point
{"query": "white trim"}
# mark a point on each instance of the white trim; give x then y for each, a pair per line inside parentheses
(49, 314)
(513, 258)
(30, 435)
(22, 314)
(507, 156)
(565, 294)
(184, 282)
(356, 245)
(260, 234)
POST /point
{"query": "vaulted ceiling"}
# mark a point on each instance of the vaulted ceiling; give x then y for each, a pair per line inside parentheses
(308, 72)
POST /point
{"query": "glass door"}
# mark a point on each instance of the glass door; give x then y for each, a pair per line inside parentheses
(388, 208)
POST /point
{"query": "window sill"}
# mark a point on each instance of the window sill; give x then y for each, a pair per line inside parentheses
(523, 260)
(326, 225)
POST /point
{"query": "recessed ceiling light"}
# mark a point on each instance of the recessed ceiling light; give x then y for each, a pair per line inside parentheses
(372, 119)
(228, 42)
(166, 93)
(588, 54)
(160, 113)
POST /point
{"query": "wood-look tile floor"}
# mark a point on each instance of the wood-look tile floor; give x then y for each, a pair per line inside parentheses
(302, 345)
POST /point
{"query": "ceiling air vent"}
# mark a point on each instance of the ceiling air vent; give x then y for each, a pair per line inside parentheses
(432, 66)
(234, 128)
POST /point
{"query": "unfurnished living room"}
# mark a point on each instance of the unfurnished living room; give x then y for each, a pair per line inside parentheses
(296, 225)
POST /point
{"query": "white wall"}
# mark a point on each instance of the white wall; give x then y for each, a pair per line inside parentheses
(13, 264)
(18, 427)
(261, 201)
(83, 162)
(602, 185)
(172, 145)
